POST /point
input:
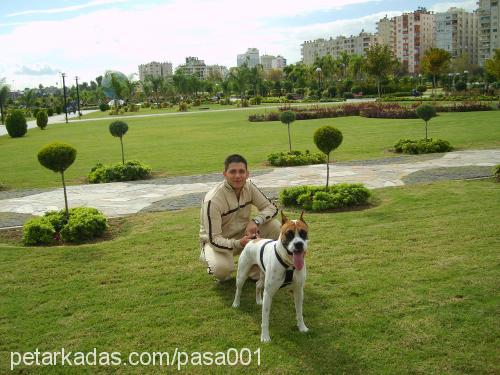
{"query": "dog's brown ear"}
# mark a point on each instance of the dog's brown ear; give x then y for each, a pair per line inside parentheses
(302, 217)
(284, 219)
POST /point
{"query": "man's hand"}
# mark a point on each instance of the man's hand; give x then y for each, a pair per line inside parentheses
(246, 239)
(252, 230)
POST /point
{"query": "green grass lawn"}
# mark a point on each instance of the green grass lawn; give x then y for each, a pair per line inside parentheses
(408, 286)
(197, 143)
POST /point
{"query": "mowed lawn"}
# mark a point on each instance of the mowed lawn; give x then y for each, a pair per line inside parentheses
(197, 143)
(408, 286)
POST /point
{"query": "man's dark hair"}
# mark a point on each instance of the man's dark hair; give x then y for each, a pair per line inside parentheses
(234, 158)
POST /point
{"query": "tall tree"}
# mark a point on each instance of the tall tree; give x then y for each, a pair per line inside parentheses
(435, 62)
(4, 95)
(378, 63)
(492, 65)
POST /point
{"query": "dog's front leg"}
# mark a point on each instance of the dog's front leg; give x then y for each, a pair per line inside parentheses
(269, 291)
(298, 296)
(258, 288)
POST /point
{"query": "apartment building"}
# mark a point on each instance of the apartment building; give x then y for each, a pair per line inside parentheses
(457, 33)
(414, 33)
(155, 69)
(488, 29)
(267, 62)
(193, 66)
(279, 62)
(215, 72)
(357, 45)
(250, 58)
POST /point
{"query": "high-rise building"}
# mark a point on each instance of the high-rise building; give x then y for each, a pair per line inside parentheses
(193, 66)
(250, 58)
(386, 32)
(414, 33)
(489, 23)
(353, 45)
(215, 72)
(279, 62)
(267, 62)
(457, 33)
(155, 69)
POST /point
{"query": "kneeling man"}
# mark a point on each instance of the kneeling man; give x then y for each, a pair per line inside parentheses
(225, 224)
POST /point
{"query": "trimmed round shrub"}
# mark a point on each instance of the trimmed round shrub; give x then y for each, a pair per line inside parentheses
(426, 112)
(38, 231)
(50, 111)
(422, 146)
(16, 123)
(42, 119)
(421, 88)
(286, 159)
(57, 156)
(130, 171)
(317, 198)
(118, 128)
(84, 224)
(287, 117)
(104, 107)
(460, 86)
(327, 139)
(35, 112)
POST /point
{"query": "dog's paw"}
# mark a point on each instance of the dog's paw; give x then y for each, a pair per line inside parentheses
(265, 337)
(236, 304)
(302, 328)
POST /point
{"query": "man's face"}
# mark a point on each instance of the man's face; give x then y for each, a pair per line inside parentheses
(236, 174)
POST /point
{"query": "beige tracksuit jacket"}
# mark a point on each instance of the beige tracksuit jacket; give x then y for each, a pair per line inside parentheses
(223, 216)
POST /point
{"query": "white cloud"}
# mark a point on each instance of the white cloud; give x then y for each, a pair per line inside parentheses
(468, 5)
(65, 9)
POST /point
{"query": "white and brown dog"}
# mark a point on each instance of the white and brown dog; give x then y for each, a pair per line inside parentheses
(281, 263)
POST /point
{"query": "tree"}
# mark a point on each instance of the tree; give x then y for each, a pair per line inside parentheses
(4, 95)
(426, 112)
(287, 117)
(118, 129)
(119, 87)
(16, 123)
(435, 62)
(492, 65)
(378, 63)
(42, 119)
(327, 139)
(58, 157)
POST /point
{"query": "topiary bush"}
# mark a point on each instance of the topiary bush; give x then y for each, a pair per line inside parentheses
(327, 139)
(426, 112)
(16, 123)
(496, 172)
(104, 107)
(316, 198)
(421, 88)
(287, 117)
(130, 171)
(119, 129)
(422, 146)
(84, 224)
(50, 111)
(42, 119)
(287, 159)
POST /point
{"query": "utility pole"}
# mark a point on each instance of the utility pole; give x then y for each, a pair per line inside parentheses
(64, 93)
(78, 98)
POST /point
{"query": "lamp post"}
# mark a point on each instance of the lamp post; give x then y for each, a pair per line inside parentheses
(420, 78)
(318, 72)
(466, 78)
(64, 93)
(78, 98)
(450, 80)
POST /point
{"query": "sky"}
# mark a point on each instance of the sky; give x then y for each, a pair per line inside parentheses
(39, 40)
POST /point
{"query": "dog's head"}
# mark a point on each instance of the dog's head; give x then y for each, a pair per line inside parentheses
(294, 237)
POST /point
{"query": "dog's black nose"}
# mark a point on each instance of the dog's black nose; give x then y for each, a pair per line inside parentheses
(299, 245)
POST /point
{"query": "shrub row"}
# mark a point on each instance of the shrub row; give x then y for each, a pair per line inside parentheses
(422, 146)
(287, 159)
(131, 170)
(316, 198)
(84, 224)
(438, 98)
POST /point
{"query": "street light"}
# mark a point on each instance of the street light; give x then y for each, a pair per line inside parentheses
(450, 75)
(318, 71)
(466, 77)
(420, 78)
(64, 93)
(78, 98)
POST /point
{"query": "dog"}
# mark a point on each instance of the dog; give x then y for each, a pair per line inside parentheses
(281, 263)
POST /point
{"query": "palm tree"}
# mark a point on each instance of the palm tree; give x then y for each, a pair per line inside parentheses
(4, 94)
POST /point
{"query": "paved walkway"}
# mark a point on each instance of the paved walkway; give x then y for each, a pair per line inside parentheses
(121, 198)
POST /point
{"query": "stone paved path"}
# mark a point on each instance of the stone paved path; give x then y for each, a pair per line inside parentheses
(122, 198)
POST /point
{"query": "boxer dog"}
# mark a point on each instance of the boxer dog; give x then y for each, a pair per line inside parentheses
(281, 263)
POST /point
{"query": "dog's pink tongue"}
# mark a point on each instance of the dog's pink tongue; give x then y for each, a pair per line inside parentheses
(298, 260)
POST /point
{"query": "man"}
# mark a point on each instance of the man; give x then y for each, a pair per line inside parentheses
(225, 224)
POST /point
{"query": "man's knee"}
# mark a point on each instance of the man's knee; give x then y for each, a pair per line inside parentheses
(221, 271)
(219, 265)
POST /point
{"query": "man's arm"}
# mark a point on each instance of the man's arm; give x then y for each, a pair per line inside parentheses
(212, 221)
(267, 209)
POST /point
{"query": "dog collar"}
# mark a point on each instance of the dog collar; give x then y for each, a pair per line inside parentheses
(281, 260)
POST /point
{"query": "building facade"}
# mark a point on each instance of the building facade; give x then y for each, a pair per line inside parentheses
(193, 66)
(250, 58)
(357, 45)
(488, 24)
(414, 33)
(457, 33)
(215, 72)
(267, 62)
(155, 69)
(279, 62)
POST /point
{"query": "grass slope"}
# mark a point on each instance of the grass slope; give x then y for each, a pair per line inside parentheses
(198, 143)
(410, 286)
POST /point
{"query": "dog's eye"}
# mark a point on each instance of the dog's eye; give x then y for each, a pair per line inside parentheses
(289, 235)
(303, 234)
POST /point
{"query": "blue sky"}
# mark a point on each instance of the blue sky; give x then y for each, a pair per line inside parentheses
(84, 38)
